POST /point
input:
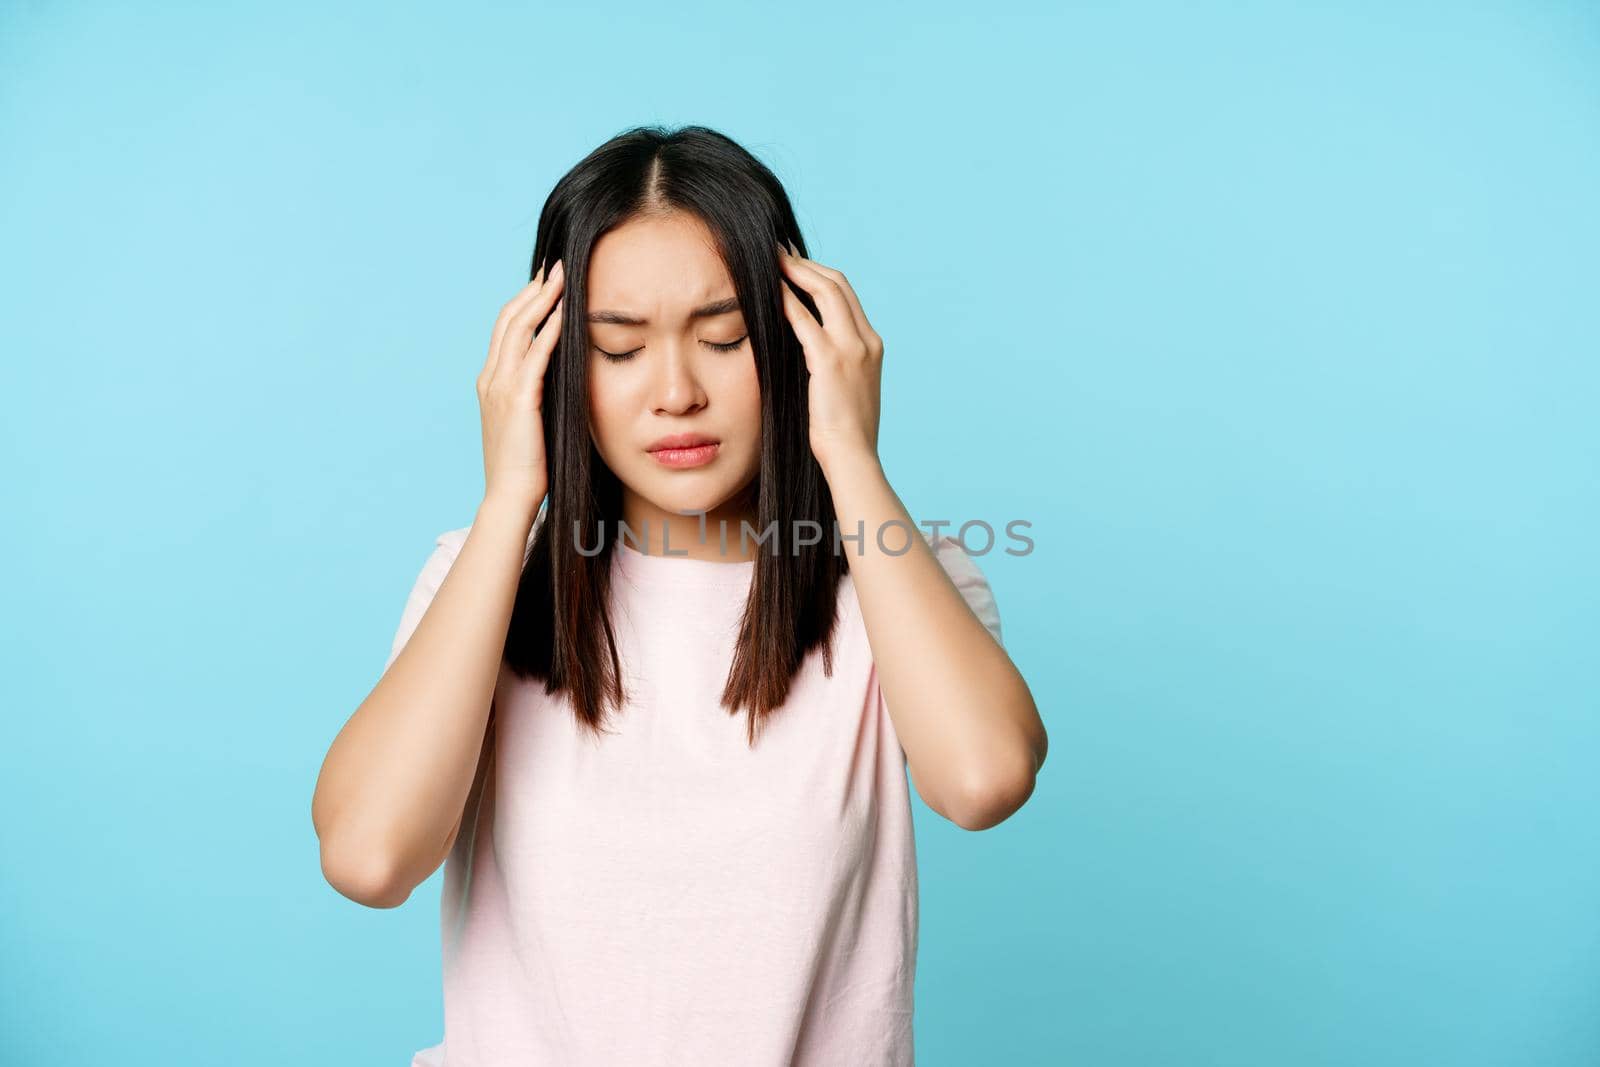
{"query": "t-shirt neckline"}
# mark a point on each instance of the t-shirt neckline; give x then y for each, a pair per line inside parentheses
(675, 569)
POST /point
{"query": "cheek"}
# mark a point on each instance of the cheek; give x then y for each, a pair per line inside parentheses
(741, 389)
(747, 402)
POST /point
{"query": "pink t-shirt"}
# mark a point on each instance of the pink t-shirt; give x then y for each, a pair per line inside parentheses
(668, 894)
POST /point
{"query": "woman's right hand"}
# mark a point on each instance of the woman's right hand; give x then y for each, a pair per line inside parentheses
(511, 391)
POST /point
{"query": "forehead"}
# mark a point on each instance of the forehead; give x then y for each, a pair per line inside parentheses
(656, 264)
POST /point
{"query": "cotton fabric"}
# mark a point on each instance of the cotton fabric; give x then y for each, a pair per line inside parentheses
(668, 894)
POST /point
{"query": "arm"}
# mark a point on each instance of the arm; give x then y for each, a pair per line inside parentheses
(390, 795)
(394, 785)
(968, 724)
(966, 719)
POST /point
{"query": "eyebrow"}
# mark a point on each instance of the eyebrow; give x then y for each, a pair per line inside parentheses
(704, 311)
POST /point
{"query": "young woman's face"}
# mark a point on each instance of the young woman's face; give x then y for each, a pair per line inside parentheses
(660, 297)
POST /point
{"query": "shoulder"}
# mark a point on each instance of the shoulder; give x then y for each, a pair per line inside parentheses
(953, 555)
(969, 579)
(967, 575)
(447, 545)
(446, 548)
(441, 557)
(451, 540)
(951, 552)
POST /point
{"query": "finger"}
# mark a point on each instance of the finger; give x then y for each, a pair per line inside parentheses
(836, 316)
(512, 306)
(805, 326)
(863, 327)
(857, 313)
(518, 335)
(538, 361)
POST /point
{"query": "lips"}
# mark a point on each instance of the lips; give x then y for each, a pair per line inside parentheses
(681, 440)
(685, 451)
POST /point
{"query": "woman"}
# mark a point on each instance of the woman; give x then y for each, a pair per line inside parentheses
(664, 764)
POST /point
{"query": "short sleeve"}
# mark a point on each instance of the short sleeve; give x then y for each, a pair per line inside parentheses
(445, 549)
(969, 578)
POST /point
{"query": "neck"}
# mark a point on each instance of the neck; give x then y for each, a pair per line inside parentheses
(658, 531)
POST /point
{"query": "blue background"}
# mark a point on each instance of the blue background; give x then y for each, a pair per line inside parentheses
(1279, 324)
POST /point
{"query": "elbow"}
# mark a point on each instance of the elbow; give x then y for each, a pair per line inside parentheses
(364, 876)
(990, 800)
(995, 792)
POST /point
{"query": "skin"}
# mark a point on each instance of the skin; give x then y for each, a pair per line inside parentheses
(677, 379)
(973, 738)
(392, 789)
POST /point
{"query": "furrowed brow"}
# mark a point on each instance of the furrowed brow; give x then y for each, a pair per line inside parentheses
(704, 311)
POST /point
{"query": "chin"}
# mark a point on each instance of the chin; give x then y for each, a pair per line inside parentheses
(682, 490)
(704, 500)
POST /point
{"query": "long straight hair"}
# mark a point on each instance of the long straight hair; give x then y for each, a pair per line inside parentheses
(559, 629)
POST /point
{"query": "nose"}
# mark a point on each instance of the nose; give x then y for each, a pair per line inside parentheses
(677, 389)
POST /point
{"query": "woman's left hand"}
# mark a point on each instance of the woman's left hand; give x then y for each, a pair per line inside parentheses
(845, 356)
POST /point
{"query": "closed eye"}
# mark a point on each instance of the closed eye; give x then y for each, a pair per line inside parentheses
(621, 357)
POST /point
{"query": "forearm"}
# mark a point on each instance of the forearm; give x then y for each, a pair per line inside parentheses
(396, 778)
(965, 717)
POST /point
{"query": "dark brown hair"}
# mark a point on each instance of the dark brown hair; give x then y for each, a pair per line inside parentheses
(559, 630)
